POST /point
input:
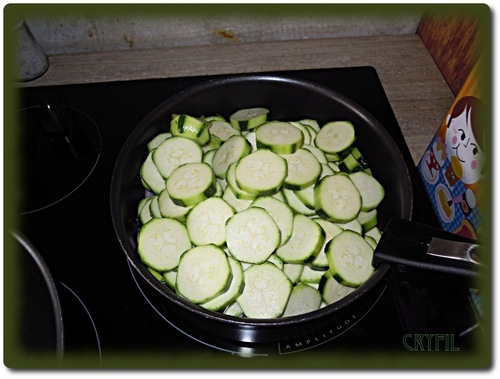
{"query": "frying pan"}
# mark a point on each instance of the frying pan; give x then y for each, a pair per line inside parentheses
(41, 327)
(287, 98)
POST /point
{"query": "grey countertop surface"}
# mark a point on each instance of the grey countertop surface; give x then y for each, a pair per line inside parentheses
(418, 93)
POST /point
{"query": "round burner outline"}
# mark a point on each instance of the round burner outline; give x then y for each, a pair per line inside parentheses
(85, 312)
(245, 351)
(257, 349)
(84, 165)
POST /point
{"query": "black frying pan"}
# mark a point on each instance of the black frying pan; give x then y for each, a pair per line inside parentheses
(288, 99)
(39, 313)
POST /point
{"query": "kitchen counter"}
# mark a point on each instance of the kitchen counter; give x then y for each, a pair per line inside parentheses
(418, 93)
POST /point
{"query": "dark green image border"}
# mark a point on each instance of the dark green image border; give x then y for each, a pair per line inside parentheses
(15, 359)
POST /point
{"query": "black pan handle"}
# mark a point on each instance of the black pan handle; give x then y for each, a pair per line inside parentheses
(421, 255)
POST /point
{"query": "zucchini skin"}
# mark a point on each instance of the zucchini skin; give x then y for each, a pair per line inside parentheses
(190, 127)
(331, 212)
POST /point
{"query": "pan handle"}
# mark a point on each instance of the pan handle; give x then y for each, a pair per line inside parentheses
(463, 251)
(420, 255)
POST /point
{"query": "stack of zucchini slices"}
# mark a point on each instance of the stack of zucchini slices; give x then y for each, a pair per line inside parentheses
(255, 217)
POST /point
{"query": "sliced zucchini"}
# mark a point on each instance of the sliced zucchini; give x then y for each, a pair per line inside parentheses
(336, 198)
(375, 233)
(303, 299)
(242, 199)
(206, 221)
(368, 219)
(331, 230)
(218, 189)
(174, 152)
(214, 143)
(214, 117)
(266, 291)
(349, 164)
(203, 273)
(231, 151)
(327, 169)
(143, 202)
(248, 118)
(312, 123)
(145, 211)
(281, 213)
(334, 166)
(170, 277)
(151, 176)
(305, 243)
(335, 137)
(261, 172)
(311, 275)
(234, 309)
(371, 241)
(191, 183)
(233, 291)
(231, 181)
(161, 242)
(353, 225)
(252, 235)
(238, 204)
(154, 207)
(293, 271)
(158, 276)
(157, 140)
(372, 192)
(279, 196)
(280, 137)
(306, 195)
(304, 130)
(331, 290)
(304, 169)
(208, 157)
(275, 260)
(296, 204)
(145, 185)
(313, 132)
(168, 208)
(222, 130)
(333, 158)
(251, 137)
(190, 127)
(359, 157)
(318, 153)
(349, 258)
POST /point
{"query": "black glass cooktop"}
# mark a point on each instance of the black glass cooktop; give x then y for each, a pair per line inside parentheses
(111, 317)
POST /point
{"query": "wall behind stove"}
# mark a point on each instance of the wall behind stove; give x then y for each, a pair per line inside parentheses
(88, 31)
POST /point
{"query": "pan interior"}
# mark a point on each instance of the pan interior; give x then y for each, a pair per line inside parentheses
(288, 99)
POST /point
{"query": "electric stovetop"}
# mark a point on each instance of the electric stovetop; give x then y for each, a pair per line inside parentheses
(111, 318)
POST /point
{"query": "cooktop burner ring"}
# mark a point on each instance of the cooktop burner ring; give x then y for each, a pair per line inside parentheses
(347, 325)
(75, 308)
(226, 347)
(62, 145)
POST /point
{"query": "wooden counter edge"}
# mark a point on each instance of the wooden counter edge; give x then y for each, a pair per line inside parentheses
(413, 83)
